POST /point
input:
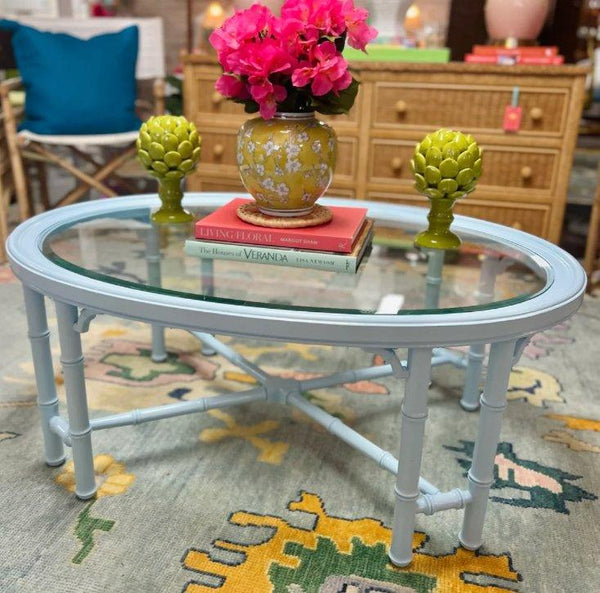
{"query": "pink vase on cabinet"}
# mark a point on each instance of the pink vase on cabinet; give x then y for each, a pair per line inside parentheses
(519, 20)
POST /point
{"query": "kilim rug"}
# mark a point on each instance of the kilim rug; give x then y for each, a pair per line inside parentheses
(259, 499)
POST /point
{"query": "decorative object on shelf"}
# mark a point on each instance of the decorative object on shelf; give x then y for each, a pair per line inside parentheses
(286, 68)
(446, 166)
(515, 22)
(169, 149)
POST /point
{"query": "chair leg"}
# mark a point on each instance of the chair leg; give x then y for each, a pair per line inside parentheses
(43, 180)
(95, 180)
(88, 179)
(591, 246)
(16, 161)
(86, 157)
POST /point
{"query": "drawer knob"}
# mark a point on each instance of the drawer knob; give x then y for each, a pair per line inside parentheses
(526, 173)
(396, 164)
(218, 150)
(216, 98)
(401, 107)
(536, 114)
(517, 225)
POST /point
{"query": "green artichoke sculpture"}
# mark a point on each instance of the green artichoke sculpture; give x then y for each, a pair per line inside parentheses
(446, 166)
(169, 149)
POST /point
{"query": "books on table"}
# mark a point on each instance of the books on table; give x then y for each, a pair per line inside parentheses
(490, 54)
(339, 245)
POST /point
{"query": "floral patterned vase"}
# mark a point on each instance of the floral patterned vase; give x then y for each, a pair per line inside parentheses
(286, 163)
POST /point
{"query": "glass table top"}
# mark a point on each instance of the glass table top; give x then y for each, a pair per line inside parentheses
(394, 278)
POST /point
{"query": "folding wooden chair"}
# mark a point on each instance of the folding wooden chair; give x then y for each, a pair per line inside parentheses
(32, 147)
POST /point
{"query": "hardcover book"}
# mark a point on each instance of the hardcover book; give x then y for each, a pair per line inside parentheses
(537, 51)
(338, 235)
(299, 258)
(511, 59)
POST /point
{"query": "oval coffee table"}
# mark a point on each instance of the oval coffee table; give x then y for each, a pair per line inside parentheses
(105, 257)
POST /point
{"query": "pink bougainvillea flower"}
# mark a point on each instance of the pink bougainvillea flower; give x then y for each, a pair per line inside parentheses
(267, 95)
(323, 16)
(329, 72)
(359, 32)
(232, 87)
(245, 25)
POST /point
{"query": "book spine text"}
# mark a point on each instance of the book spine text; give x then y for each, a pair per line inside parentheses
(272, 239)
(264, 255)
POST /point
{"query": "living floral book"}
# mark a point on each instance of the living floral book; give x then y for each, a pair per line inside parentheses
(339, 235)
(298, 258)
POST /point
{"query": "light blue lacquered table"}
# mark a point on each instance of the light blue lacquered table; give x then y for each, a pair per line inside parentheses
(501, 287)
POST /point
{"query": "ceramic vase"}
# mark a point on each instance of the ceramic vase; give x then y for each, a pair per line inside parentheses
(286, 163)
(518, 20)
(438, 235)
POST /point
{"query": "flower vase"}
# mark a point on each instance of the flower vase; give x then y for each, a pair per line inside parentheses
(438, 235)
(171, 210)
(286, 163)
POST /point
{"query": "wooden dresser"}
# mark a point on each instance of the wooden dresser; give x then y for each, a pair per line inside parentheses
(525, 178)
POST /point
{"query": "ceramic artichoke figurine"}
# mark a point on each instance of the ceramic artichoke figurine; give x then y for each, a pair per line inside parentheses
(169, 148)
(446, 166)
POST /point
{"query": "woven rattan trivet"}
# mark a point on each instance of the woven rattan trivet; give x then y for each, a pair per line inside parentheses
(249, 212)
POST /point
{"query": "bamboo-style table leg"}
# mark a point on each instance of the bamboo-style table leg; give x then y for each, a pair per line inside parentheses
(39, 337)
(159, 350)
(207, 274)
(414, 415)
(481, 474)
(490, 268)
(80, 429)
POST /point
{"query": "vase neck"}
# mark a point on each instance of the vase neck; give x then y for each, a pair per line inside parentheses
(294, 115)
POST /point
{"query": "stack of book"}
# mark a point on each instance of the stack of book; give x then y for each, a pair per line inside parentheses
(338, 245)
(491, 54)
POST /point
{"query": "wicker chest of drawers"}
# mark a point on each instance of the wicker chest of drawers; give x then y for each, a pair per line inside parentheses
(526, 174)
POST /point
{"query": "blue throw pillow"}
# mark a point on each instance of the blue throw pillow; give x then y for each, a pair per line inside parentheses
(76, 86)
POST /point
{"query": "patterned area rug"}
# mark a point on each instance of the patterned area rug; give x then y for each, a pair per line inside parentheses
(259, 499)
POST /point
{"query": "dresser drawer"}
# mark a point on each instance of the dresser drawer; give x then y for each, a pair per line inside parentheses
(429, 106)
(504, 168)
(218, 148)
(209, 104)
(531, 218)
(347, 155)
(201, 183)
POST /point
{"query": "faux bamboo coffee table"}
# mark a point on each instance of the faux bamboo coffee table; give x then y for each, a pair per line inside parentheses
(105, 257)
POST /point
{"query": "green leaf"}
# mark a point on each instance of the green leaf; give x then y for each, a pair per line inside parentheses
(332, 104)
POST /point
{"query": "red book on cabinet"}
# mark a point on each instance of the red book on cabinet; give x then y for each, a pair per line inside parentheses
(534, 51)
(338, 235)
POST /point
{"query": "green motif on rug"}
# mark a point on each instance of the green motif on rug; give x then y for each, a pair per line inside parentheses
(364, 562)
(84, 530)
(337, 555)
(547, 487)
(140, 367)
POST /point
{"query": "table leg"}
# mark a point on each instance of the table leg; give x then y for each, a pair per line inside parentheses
(414, 414)
(491, 266)
(47, 401)
(80, 430)
(470, 395)
(481, 474)
(207, 273)
(159, 351)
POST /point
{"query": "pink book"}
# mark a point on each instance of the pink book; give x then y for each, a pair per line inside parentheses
(338, 235)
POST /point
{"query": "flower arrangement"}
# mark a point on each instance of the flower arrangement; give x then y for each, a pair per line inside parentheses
(291, 63)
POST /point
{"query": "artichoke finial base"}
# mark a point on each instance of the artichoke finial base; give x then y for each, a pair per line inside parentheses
(171, 211)
(439, 235)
